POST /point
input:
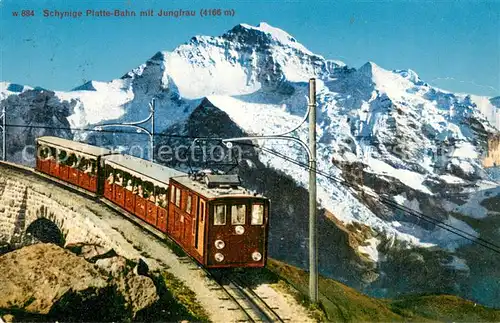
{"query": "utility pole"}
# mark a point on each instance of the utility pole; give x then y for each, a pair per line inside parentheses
(311, 158)
(139, 128)
(4, 129)
(313, 258)
(152, 133)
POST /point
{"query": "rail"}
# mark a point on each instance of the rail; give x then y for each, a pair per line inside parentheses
(252, 305)
(256, 309)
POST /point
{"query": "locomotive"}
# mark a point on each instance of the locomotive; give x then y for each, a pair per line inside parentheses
(211, 216)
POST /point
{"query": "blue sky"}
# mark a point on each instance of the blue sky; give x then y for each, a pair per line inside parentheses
(452, 45)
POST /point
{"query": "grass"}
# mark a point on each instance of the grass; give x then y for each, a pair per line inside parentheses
(256, 276)
(444, 308)
(177, 303)
(340, 303)
(315, 311)
(186, 297)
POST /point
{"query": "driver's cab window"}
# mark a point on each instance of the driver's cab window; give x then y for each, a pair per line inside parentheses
(238, 214)
(257, 214)
(220, 215)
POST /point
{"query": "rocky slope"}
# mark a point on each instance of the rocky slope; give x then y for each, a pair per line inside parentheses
(386, 133)
(44, 279)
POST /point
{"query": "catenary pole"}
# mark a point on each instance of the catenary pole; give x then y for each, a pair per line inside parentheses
(152, 134)
(311, 157)
(4, 129)
(313, 258)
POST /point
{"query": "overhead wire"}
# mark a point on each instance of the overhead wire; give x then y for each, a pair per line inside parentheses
(386, 201)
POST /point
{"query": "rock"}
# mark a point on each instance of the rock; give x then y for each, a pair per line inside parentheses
(369, 277)
(91, 252)
(4, 247)
(46, 279)
(141, 268)
(115, 266)
(138, 290)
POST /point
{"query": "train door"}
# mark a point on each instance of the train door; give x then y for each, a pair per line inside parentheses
(200, 221)
(178, 225)
(194, 223)
(189, 219)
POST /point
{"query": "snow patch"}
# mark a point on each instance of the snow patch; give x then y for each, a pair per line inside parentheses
(215, 76)
(465, 150)
(450, 240)
(488, 110)
(371, 249)
(458, 264)
(473, 207)
(408, 177)
(92, 107)
(451, 179)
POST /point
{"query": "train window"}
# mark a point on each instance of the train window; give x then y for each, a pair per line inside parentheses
(257, 214)
(62, 156)
(129, 182)
(172, 194)
(137, 186)
(109, 173)
(53, 152)
(145, 188)
(202, 210)
(72, 160)
(88, 170)
(86, 167)
(83, 165)
(161, 196)
(77, 162)
(43, 152)
(149, 191)
(188, 204)
(119, 177)
(178, 197)
(238, 214)
(220, 215)
(92, 167)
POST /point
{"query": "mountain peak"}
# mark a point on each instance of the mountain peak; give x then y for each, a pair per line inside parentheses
(87, 86)
(405, 78)
(275, 32)
(268, 33)
(369, 69)
(410, 75)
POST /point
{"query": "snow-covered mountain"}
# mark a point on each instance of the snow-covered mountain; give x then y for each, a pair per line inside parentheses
(386, 133)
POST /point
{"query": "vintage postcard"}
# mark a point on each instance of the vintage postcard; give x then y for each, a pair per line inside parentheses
(247, 161)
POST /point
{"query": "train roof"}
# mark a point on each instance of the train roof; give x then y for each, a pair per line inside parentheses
(214, 192)
(157, 173)
(74, 146)
(138, 166)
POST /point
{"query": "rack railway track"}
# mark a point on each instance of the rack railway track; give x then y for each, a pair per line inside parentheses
(247, 300)
(255, 307)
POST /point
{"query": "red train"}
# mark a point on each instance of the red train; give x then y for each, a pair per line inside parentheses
(212, 217)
